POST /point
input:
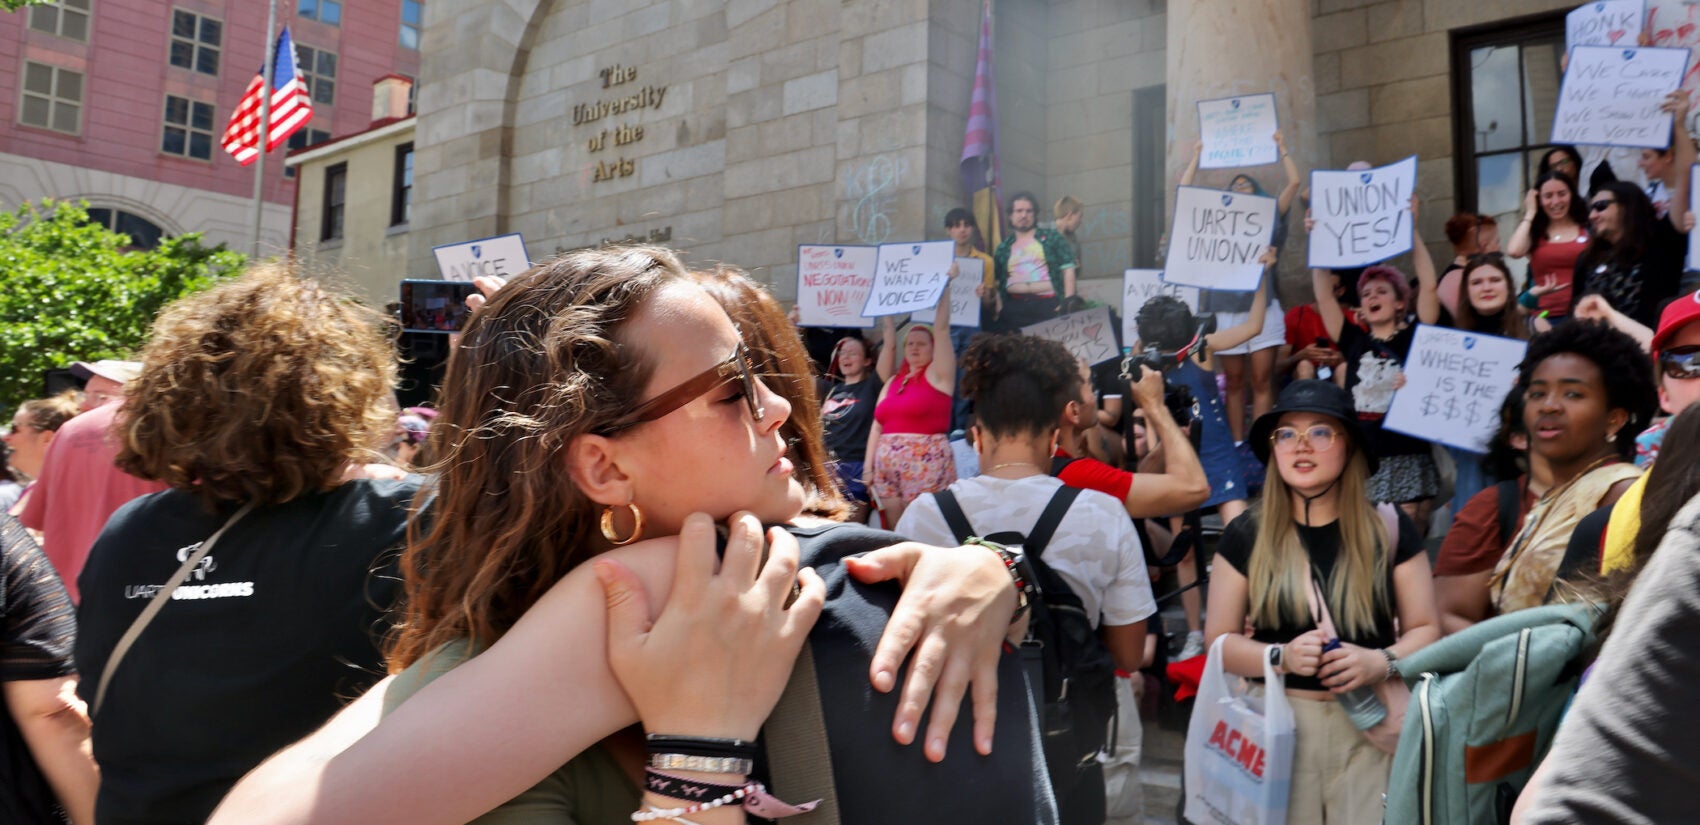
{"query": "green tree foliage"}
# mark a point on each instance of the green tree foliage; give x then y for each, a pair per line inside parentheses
(73, 291)
(14, 5)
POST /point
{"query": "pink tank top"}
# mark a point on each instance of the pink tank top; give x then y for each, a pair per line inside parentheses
(913, 406)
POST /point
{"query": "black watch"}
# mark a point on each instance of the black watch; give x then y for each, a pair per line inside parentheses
(1276, 653)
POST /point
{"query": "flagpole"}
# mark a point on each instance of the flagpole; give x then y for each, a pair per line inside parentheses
(267, 70)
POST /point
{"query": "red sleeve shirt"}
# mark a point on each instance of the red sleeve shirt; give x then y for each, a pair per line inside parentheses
(1092, 474)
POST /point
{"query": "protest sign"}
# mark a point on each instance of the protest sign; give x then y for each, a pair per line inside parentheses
(1217, 239)
(1694, 234)
(502, 256)
(833, 284)
(1087, 334)
(964, 300)
(908, 277)
(1604, 23)
(1141, 285)
(1455, 382)
(1237, 131)
(1362, 217)
(1611, 96)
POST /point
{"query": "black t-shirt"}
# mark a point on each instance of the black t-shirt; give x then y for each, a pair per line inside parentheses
(1322, 544)
(267, 638)
(1641, 290)
(847, 414)
(1371, 367)
(38, 632)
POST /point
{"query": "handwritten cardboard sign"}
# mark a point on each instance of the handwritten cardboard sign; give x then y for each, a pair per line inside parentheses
(833, 284)
(1604, 23)
(964, 301)
(502, 256)
(1087, 334)
(908, 277)
(1454, 384)
(1362, 217)
(1611, 96)
(1217, 239)
(1141, 285)
(1237, 131)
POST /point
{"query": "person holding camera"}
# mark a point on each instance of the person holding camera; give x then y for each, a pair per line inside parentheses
(1167, 326)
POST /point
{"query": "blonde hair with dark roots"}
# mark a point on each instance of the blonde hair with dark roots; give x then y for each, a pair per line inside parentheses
(1276, 570)
(261, 389)
(51, 413)
(541, 363)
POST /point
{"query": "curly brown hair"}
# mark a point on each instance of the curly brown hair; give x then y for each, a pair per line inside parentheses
(47, 415)
(540, 364)
(1020, 384)
(262, 389)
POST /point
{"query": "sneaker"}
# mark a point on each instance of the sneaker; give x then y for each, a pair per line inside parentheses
(1194, 645)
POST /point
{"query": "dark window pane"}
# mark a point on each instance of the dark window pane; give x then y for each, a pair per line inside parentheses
(1496, 90)
(308, 8)
(44, 19)
(323, 90)
(70, 86)
(176, 110)
(182, 54)
(183, 25)
(200, 145)
(330, 11)
(410, 12)
(74, 24)
(203, 116)
(38, 78)
(174, 142)
(144, 234)
(35, 110)
(81, 5)
(327, 64)
(65, 117)
(1540, 88)
(100, 217)
(206, 61)
(212, 31)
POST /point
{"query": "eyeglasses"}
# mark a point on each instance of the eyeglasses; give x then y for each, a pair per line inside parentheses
(735, 368)
(1601, 205)
(1681, 363)
(1319, 437)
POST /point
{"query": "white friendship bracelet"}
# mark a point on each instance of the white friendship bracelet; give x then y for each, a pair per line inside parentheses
(651, 814)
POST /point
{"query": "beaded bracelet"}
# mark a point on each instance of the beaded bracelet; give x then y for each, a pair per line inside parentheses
(649, 814)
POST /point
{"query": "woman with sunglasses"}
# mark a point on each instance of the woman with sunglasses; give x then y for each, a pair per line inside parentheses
(591, 406)
(1587, 392)
(1315, 554)
(908, 451)
(1552, 235)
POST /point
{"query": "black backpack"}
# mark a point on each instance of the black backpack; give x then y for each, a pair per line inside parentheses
(1068, 667)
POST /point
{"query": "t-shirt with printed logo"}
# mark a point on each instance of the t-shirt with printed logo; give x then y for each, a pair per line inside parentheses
(272, 631)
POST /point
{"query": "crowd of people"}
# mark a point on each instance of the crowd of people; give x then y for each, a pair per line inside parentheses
(646, 552)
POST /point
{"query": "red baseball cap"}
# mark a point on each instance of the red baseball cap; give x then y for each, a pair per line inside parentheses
(1678, 314)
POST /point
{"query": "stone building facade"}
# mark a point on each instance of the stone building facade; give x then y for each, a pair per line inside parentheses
(734, 131)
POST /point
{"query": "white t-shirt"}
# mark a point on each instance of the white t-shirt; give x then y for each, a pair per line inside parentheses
(1095, 549)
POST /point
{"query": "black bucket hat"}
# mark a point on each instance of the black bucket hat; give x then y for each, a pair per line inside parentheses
(1312, 396)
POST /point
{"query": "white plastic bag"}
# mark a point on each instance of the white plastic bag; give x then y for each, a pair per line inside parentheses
(1239, 749)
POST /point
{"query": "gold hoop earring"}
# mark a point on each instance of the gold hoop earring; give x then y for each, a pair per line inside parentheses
(608, 531)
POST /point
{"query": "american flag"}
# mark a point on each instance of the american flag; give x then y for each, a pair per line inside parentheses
(292, 106)
(980, 172)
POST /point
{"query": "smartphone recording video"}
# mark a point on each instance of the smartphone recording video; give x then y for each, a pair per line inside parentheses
(435, 306)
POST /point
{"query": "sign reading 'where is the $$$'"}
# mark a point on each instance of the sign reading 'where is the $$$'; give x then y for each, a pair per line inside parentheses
(630, 99)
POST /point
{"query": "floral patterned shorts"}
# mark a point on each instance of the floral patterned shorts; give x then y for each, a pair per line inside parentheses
(909, 464)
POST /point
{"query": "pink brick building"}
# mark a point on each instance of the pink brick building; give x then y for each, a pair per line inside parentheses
(123, 103)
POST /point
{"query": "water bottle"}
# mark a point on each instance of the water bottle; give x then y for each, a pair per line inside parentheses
(1361, 706)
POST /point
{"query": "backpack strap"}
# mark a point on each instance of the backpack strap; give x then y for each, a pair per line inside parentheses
(1510, 501)
(1060, 463)
(1049, 520)
(954, 518)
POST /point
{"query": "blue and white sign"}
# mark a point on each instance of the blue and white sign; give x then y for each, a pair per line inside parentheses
(1604, 23)
(1455, 382)
(908, 277)
(1611, 96)
(1362, 217)
(502, 256)
(1238, 131)
(1141, 285)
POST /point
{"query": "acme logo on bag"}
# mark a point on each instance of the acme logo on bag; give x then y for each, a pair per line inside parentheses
(1246, 753)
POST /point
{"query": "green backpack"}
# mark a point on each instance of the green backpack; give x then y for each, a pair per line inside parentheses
(1485, 704)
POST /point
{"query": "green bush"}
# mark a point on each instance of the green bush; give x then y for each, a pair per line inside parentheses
(73, 291)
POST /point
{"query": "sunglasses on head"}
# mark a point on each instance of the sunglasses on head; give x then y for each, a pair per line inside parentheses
(1680, 362)
(1601, 205)
(736, 367)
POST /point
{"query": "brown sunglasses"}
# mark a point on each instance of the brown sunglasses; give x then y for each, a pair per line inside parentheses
(735, 368)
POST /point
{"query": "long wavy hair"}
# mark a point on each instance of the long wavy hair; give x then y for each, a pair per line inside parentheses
(544, 361)
(1508, 321)
(1357, 589)
(262, 389)
(1578, 213)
